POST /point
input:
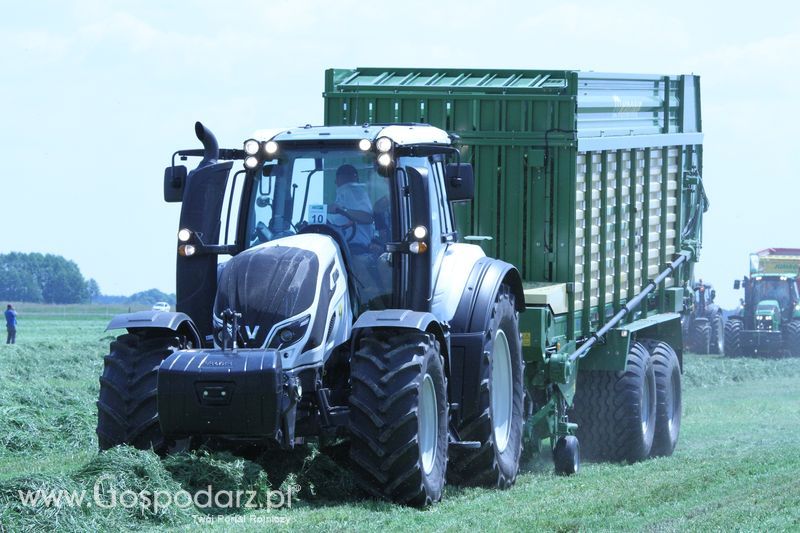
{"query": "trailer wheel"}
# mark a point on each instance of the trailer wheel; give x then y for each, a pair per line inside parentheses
(792, 338)
(616, 411)
(399, 417)
(126, 408)
(567, 456)
(700, 336)
(497, 426)
(717, 345)
(733, 338)
(668, 398)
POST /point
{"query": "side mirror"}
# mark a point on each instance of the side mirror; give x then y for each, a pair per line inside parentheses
(174, 181)
(737, 284)
(459, 182)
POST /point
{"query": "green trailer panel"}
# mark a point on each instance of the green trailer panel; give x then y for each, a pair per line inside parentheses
(584, 179)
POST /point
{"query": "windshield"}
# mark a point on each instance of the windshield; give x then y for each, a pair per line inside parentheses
(774, 289)
(340, 188)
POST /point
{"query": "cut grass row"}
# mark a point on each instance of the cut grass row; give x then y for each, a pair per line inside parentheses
(735, 465)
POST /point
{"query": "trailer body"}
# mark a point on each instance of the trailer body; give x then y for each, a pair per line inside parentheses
(589, 183)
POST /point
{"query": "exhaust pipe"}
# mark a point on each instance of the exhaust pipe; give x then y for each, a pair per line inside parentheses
(209, 144)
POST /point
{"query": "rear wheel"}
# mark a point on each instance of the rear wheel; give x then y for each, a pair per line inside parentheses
(717, 344)
(700, 335)
(616, 411)
(792, 338)
(733, 338)
(497, 426)
(668, 398)
(126, 408)
(399, 416)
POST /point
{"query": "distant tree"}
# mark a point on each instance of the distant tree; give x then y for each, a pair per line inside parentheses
(92, 290)
(151, 296)
(17, 285)
(36, 277)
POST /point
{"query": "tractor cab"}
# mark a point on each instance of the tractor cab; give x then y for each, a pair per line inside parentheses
(769, 301)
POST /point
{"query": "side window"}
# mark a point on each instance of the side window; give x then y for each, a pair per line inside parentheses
(442, 203)
(229, 214)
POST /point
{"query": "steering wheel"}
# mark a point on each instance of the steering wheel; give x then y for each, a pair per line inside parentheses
(352, 226)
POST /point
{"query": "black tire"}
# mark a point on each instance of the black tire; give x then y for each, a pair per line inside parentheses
(616, 411)
(496, 462)
(391, 373)
(567, 456)
(668, 398)
(700, 337)
(733, 338)
(127, 412)
(717, 344)
(792, 338)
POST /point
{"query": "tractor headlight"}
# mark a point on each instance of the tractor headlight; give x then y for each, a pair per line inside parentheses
(290, 333)
(384, 144)
(251, 147)
(184, 235)
(270, 147)
(420, 232)
(384, 160)
(251, 162)
(364, 144)
(187, 250)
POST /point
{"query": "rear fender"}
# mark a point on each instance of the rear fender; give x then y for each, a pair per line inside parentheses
(169, 322)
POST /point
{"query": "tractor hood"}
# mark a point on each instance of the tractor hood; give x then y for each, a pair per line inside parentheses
(768, 315)
(290, 292)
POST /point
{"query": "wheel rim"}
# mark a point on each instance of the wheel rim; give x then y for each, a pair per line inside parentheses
(428, 424)
(671, 411)
(646, 405)
(501, 391)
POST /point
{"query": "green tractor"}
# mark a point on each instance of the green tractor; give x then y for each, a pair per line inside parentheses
(768, 322)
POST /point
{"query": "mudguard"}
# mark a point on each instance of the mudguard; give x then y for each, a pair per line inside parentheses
(474, 309)
(469, 325)
(177, 322)
(406, 319)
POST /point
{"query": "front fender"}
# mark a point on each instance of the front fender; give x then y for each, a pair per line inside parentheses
(405, 319)
(179, 323)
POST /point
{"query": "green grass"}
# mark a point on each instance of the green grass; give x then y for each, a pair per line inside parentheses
(736, 466)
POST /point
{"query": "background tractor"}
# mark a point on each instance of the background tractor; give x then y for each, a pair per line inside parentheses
(768, 321)
(703, 323)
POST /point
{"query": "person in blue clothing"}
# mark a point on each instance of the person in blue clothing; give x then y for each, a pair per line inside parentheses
(352, 211)
(11, 324)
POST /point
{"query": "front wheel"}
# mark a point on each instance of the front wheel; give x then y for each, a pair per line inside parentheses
(700, 335)
(733, 338)
(792, 338)
(497, 424)
(399, 416)
(127, 412)
(717, 345)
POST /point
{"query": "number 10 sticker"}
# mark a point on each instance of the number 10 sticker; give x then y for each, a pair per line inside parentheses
(317, 214)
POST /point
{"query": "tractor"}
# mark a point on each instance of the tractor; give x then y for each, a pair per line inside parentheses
(703, 324)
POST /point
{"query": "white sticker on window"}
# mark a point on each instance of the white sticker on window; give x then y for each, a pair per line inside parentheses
(317, 214)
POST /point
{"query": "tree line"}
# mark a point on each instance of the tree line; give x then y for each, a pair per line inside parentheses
(49, 278)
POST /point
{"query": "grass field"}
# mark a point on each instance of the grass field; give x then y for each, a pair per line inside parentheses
(736, 466)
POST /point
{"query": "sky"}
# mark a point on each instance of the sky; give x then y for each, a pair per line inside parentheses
(96, 95)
